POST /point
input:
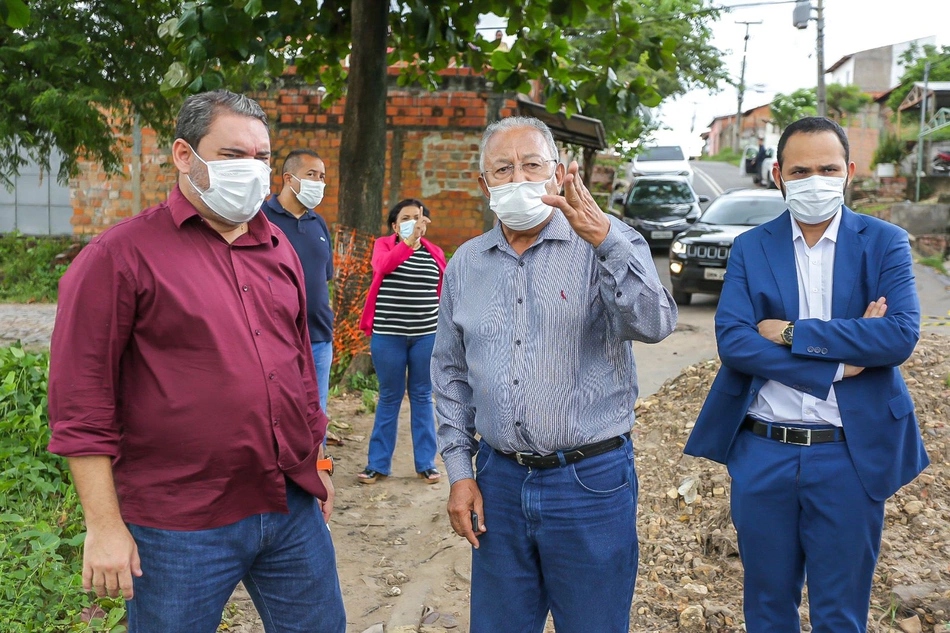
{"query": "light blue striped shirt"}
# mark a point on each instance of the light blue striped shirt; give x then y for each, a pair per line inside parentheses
(533, 353)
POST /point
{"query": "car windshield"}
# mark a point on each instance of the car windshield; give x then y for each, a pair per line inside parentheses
(743, 211)
(671, 152)
(656, 192)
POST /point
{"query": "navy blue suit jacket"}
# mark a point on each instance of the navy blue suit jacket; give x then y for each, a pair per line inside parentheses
(872, 260)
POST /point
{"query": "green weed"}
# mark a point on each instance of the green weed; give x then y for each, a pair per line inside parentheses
(28, 270)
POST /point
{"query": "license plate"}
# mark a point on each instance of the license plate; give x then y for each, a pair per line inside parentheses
(661, 235)
(715, 274)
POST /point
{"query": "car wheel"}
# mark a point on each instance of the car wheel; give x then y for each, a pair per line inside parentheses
(681, 298)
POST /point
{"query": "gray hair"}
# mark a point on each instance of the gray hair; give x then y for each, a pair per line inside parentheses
(198, 112)
(511, 123)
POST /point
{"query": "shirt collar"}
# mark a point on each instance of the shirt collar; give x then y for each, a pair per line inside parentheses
(258, 229)
(274, 205)
(831, 232)
(557, 229)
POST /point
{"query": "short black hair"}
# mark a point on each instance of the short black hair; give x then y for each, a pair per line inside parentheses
(408, 202)
(813, 125)
(293, 158)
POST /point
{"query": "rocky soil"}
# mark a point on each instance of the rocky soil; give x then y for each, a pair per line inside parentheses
(402, 567)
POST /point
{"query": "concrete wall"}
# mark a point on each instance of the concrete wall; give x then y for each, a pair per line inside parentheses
(921, 219)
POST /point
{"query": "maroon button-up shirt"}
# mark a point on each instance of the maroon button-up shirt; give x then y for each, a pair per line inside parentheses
(187, 360)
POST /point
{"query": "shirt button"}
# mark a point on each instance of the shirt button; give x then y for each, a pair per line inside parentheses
(520, 300)
(245, 288)
(257, 332)
(814, 289)
(276, 422)
(521, 263)
(603, 258)
(518, 342)
(516, 381)
(517, 423)
(272, 375)
(619, 293)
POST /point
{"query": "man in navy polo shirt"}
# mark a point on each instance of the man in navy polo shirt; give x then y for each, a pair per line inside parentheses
(304, 179)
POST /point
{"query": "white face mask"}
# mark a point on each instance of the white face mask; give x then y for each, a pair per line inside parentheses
(814, 199)
(406, 228)
(518, 204)
(311, 192)
(236, 187)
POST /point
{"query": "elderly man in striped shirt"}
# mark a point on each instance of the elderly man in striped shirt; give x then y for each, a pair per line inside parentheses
(533, 354)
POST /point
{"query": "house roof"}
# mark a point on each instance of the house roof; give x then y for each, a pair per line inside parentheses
(576, 130)
(838, 64)
(939, 91)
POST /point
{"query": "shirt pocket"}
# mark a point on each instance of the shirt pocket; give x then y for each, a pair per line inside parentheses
(285, 304)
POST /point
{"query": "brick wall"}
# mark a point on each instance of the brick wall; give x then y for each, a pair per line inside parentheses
(863, 142)
(432, 154)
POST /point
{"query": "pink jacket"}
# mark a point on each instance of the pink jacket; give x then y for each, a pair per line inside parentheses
(388, 253)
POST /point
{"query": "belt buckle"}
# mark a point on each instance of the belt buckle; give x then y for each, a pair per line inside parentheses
(807, 433)
(519, 457)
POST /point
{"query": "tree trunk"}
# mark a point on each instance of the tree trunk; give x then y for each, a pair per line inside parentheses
(363, 142)
(590, 156)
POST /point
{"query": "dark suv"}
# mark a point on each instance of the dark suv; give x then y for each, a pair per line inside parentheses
(698, 257)
(659, 207)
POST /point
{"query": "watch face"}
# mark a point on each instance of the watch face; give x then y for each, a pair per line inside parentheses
(787, 334)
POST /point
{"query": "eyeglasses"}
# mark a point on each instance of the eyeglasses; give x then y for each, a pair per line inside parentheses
(533, 170)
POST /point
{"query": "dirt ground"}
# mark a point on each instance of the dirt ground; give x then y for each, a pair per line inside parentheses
(401, 566)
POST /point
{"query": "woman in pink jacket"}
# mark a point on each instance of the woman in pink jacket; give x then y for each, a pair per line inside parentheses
(401, 314)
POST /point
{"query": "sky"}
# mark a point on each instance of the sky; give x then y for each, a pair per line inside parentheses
(782, 58)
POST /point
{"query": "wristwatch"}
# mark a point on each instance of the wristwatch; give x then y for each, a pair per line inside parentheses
(788, 333)
(325, 464)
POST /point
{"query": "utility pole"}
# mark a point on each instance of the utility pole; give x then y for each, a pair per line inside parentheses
(801, 16)
(920, 135)
(745, 47)
(820, 48)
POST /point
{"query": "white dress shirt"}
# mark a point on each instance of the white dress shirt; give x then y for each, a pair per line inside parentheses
(815, 265)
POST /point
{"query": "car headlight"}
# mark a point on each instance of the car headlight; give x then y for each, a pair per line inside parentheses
(678, 247)
(676, 267)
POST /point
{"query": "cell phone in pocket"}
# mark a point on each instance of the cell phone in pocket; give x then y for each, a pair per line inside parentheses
(474, 521)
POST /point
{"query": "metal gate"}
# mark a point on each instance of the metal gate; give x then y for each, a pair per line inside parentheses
(38, 204)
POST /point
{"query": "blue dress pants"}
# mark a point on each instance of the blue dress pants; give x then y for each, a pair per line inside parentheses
(802, 511)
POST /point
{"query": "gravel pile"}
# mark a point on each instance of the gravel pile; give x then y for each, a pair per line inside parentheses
(690, 576)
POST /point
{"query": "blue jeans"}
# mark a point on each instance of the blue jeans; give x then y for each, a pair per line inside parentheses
(395, 357)
(322, 360)
(286, 561)
(562, 540)
(801, 510)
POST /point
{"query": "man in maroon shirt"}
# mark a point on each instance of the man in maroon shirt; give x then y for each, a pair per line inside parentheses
(183, 394)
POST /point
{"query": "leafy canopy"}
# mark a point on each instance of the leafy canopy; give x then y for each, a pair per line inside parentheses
(914, 59)
(786, 109)
(577, 71)
(66, 66)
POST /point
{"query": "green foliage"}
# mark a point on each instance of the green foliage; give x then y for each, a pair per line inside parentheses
(27, 267)
(845, 101)
(626, 63)
(67, 68)
(914, 59)
(786, 109)
(360, 382)
(41, 525)
(369, 399)
(934, 262)
(725, 155)
(889, 150)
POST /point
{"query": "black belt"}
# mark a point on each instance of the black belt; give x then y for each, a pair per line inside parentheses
(533, 460)
(792, 435)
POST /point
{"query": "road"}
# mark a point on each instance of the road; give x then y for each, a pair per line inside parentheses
(695, 339)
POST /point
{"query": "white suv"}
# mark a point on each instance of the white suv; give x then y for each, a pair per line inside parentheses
(662, 160)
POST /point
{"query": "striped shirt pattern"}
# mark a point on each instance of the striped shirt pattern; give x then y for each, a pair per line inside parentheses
(408, 300)
(534, 352)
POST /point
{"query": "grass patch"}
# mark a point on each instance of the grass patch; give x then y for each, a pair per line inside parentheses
(874, 209)
(726, 155)
(41, 526)
(28, 270)
(934, 262)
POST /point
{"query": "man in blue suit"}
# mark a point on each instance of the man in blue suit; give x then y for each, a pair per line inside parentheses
(809, 411)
